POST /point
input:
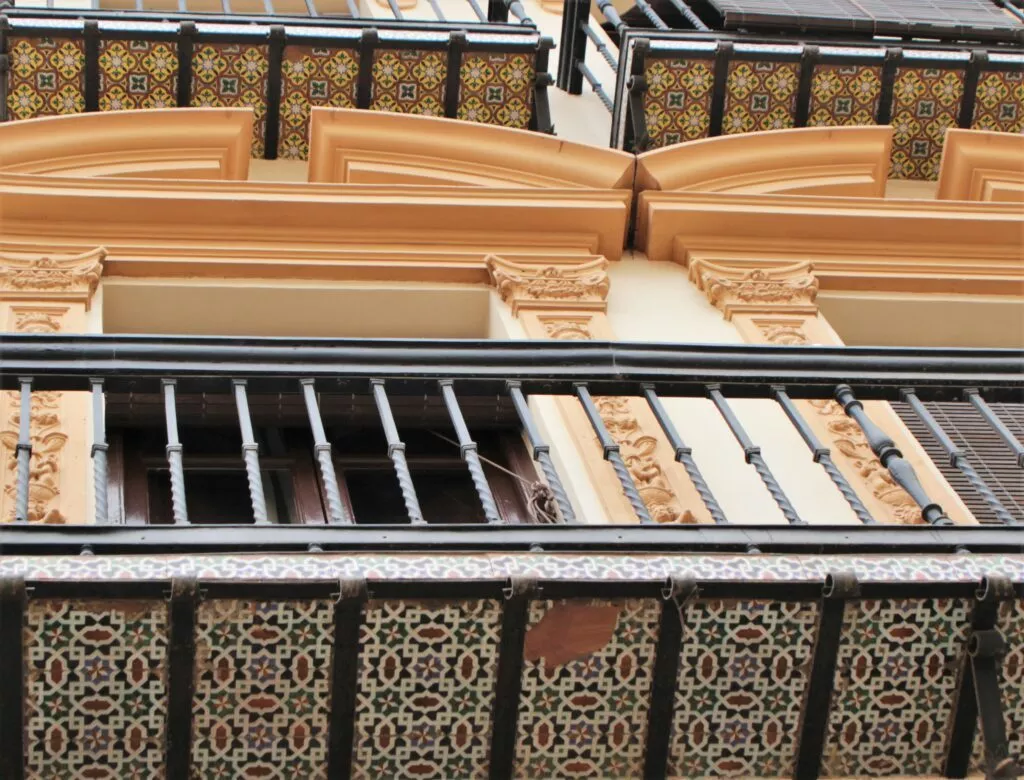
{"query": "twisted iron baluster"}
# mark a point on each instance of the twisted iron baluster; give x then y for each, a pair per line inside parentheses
(396, 451)
(972, 395)
(822, 455)
(752, 455)
(613, 456)
(684, 455)
(174, 455)
(956, 458)
(24, 452)
(251, 455)
(469, 452)
(541, 452)
(99, 452)
(322, 449)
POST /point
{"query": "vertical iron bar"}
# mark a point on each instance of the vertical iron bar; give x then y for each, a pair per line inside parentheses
(974, 396)
(250, 454)
(353, 9)
(322, 448)
(24, 452)
(396, 451)
(601, 48)
(478, 11)
(689, 15)
(573, 47)
(311, 8)
(393, 4)
(822, 455)
(608, 11)
(541, 451)
(181, 668)
(469, 451)
(595, 85)
(99, 452)
(348, 619)
(612, 454)
(752, 455)
(497, 11)
(518, 11)
(174, 455)
(987, 649)
(437, 10)
(956, 458)
(684, 455)
(651, 14)
(890, 457)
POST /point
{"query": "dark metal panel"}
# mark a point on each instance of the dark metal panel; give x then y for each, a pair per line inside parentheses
(12, 672)
(91, 34)
(181, 676)
(893, 59)
(348, 617)
(275, 56)
(723, 54)
(508, 687)
(811, 57)
(456, 46)
(364, 81)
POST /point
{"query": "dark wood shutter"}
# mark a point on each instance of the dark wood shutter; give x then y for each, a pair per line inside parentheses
(983, 449)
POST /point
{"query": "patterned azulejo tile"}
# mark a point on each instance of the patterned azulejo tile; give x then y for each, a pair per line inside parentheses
(743, 672)
(494, 88)
(760, 96)
(677, 103)
(229, 75)
(46, 77)
(409, 81)
(262, 688)
(925, 103)
(844, 95)
(137, 74)
(1011, 624)
(95, 689)
(313, 77)
(584, 714)
(426, 688)
(999, 104)
(895, 683)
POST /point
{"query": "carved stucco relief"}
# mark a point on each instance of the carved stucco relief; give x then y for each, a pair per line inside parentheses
(585, 286)
(787, 295)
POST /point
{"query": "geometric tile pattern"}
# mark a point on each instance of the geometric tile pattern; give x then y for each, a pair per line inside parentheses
(262, 688)
(1011, 684)
(677, 102)
(95, 689)
(742, 677)
(588, 717)
(1000, 102)
(138, 74)
(409, 81)
(760, 96)
(233, 76)
(844, 95)
(925, 102)
(896, 679)
(313, 77)
(494, 88)
(46, 78)
(589, 567)
(427, 673)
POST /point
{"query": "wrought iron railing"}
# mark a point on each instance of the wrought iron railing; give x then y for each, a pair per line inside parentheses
(241, 372)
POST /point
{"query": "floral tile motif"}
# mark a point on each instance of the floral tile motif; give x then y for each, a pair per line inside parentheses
(262, 688)
(312, 77)
(494, 88)
(409, 81)
(844, 95)
(896, 679)
(95, 688)
(925, 102)
(743, 672)
(46, 78)
(999, 103)
(230, 75)
(1011, 684)
(427, 672)
(760, 96)
(138, 74)
(677, 103)
(587, 718)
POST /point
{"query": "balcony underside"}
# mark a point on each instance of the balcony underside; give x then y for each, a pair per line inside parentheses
(495, 74)
(528, 664)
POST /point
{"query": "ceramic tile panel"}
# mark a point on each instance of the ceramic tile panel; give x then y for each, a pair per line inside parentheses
(46, 77)
(232, 75)
(999, 102)
(677, 103)
(495, 88)
(844, 95)
(409, 81)
(925, 103)
(760, 95)
(313, 77)
(137, 74)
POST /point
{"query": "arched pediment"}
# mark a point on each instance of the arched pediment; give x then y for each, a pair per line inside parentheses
(372, 147)
(847, 161)
(178, 143)
(982, 165)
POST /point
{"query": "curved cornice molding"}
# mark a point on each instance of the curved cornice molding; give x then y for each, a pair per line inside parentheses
(851, 161)
(178, 143)
(983, 166)
(51, 277)
(375, 147)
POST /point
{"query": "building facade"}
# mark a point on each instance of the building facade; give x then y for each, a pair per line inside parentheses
(387, 396)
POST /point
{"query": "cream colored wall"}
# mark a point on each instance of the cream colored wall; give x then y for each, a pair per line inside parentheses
(656, 302)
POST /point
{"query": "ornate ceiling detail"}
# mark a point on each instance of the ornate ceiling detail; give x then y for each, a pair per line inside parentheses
(48, 277)
(581, 285)
(791, 289)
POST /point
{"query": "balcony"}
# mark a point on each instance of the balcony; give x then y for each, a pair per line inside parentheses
(519, 641)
